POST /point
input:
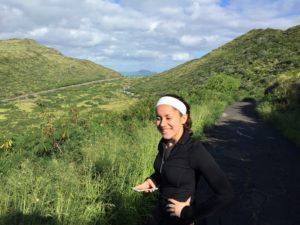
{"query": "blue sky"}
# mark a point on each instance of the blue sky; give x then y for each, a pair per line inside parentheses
(224, 3)
(129, 35)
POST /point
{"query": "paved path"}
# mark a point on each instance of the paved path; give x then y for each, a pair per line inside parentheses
(57, 89)
(263, 167)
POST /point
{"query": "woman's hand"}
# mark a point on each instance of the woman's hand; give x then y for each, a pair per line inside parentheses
(175, 207)
(147, 186)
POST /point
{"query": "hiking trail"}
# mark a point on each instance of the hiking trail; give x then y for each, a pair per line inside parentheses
(262, 166)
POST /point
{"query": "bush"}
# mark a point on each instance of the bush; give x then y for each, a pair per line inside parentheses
(220, 87)
(281, 105)
(223, 84)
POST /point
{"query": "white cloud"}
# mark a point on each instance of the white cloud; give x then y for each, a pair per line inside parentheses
(39, 32)
(144, 53)
(183, 56)
(171, 11)
(116, 22)
(132, 34)
(191, 41)
(111, 50)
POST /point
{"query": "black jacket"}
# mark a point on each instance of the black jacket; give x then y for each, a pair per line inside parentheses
(178, 175)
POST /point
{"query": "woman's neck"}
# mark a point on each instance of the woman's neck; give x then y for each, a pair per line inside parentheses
(177, 137)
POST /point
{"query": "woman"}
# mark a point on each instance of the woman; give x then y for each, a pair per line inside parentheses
(179, 164)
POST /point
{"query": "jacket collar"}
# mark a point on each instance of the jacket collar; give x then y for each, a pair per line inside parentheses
(183, 139)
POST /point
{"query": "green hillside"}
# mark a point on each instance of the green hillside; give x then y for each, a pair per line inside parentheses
(26, 66)
(257, 57)
(267, 62)
(70, 157)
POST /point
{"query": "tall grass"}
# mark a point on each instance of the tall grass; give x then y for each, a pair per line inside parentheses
(95, 189)
(281, 103)
(287, 122)
(88, 179)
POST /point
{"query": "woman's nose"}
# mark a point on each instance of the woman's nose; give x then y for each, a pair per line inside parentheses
(162, 122)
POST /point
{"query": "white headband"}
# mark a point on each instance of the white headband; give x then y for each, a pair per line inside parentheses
(177, 104)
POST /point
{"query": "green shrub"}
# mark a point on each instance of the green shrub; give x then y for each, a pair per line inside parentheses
(281, 105)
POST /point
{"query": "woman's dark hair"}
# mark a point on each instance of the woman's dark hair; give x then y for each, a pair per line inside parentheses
(188, 125)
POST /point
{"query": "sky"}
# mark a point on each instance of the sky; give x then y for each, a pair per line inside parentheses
(130, 35)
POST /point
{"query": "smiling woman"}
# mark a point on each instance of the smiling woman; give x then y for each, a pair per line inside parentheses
(180, 163)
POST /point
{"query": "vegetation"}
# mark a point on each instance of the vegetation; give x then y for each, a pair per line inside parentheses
(257, 59)
(18, 116)
(72, 156)
(79, 168)
(27, 67)
(281, 104)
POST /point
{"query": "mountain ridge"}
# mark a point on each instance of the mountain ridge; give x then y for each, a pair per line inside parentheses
(26, 66)
(256, 57)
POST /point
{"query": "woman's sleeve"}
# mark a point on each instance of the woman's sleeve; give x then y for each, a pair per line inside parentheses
(155, 177)
(204, 164)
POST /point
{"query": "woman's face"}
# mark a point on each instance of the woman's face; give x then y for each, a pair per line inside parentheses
(170, 122)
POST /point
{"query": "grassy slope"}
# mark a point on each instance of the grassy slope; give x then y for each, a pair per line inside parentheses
(20, 115)
(92, 158)
(256, 57)
(26, 66)
(260, 58)
(281, 104)
(90, 181)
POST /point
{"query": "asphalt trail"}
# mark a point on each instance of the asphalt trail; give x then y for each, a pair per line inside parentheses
(262, 165)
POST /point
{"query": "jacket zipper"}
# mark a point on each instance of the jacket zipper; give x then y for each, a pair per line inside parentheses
(162, 161)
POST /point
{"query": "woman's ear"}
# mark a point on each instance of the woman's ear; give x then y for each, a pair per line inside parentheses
(184, 118)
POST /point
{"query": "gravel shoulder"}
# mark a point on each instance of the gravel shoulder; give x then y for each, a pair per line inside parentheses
(262, 165)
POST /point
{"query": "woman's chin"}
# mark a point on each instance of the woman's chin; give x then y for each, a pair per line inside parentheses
(166, 136)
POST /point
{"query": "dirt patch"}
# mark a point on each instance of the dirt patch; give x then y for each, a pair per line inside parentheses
(26, 106)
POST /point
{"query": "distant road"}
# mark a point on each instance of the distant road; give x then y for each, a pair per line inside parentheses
(56, 89)
(262, 166)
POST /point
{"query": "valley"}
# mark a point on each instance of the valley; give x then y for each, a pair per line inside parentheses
(76, 136)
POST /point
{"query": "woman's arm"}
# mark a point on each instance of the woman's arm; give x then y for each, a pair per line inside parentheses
(150, 184)
(155, 177)
(204, 164)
